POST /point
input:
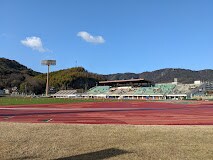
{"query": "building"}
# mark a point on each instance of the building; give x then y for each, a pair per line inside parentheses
(65, 94)
(1, 92)
(129, 82)
(138, 89)
(143, 89)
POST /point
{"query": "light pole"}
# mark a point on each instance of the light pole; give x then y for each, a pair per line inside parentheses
(48, 63)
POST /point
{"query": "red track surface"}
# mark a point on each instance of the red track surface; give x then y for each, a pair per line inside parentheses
(146, 113)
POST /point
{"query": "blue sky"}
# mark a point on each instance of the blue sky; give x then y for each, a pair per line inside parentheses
(108, 36)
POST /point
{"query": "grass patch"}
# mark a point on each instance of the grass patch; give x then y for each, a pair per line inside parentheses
(78, 142)
(23, 101)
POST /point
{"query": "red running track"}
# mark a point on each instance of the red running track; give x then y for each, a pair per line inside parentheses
(134, 112)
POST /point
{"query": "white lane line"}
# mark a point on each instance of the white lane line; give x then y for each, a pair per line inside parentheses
(75, 109)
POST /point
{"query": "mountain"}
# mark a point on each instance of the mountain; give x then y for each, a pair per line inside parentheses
(167, 75)
(13, 73)
(183, 75)
(122, 76)
(72, 78)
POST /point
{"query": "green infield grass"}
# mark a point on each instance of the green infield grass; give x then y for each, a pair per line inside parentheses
(23, 101)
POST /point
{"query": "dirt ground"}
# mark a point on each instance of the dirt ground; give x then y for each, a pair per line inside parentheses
(92, 142)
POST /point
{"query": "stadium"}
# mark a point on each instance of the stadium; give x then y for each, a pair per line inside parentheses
(106, 80)
(113, 119)
(140, 89)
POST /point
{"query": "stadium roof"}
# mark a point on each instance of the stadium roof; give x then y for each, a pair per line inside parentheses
(128, 82)
(123, 81)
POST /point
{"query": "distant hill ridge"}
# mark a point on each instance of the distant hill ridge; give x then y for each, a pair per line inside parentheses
(13, 74)
(167, 75)
(11, 66)
(28, 81)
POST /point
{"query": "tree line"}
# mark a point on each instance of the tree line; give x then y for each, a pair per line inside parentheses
(13, 74)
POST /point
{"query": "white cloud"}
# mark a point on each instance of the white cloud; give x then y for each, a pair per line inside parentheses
(90, 38)
(35, 43)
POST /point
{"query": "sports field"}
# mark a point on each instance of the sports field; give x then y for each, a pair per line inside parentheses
(127, 112)
(27, 100)
(106, 130)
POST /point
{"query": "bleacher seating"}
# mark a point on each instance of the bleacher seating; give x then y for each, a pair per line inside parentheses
(166, 88)
(158, 89)
(99, 90)
(122, 90)
(184, 88)
(64, 93)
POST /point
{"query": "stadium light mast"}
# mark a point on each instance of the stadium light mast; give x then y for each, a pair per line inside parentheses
(48, 63)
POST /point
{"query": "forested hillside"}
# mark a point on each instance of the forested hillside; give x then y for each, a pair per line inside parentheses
(73, 78)
(183, 75)
(167, 75)
(14, 74)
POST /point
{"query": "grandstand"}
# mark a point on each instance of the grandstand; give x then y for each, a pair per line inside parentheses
(138, 89)
(143, 89)
(187, 90)
(122, 90)
(159, 89)
(97, 92)
(65, 94)
(209, 88)
(129, 82)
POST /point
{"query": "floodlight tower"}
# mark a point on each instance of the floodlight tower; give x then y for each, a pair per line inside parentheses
(48, 63)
